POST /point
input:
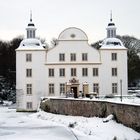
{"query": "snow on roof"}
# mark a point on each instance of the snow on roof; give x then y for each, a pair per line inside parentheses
(73, 33)
(30, 43)
(112, 43)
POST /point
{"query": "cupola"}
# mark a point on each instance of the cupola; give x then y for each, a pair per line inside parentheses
(111, 29)
(31, 28)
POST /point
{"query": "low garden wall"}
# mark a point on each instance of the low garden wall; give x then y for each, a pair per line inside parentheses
(128, 115)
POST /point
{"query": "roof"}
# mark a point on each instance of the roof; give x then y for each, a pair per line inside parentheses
(72, 33)
(30, 44)
(112, 43)
(31, 24)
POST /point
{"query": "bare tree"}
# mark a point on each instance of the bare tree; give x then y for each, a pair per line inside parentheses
(54, 42)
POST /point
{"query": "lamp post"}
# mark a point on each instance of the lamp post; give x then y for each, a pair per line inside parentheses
(121, 89)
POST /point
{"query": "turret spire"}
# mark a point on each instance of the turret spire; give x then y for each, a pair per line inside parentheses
(111, 16)
(31, 16)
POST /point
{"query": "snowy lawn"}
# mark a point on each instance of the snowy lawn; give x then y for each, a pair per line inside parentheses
(42, 126)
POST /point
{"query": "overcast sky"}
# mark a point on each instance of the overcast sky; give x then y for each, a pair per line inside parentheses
(51, 17)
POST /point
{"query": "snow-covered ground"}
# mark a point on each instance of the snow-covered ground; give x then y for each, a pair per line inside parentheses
(42, 126)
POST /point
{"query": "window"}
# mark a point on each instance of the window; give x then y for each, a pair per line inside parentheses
(96, 87)
(84, 56)
(33, 34)
(114, 56)
(111, 33)
(73, 71)
(62, 72)
(108, 33)
(29, 105)
(95, 71)
(30, 34)
(27, 33)
(62, 88)
(51, 88)
(51, 72)
(28, 72)
(28, 57)
(61, 57)
(114, 71)
(114, 88)
(29, 89)
(73, 56)
(113, 43)
(85, 72)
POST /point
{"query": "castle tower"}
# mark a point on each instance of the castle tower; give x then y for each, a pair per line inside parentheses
(114, 63)
(30, 59)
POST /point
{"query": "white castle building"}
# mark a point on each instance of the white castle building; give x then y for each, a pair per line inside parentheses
(71, 66)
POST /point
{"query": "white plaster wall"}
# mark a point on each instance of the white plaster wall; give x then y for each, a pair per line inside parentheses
(37, 80)
(106, 71)
(78, 34)
(68, 47)
(90, 79)
(77, 47)
(96, 59)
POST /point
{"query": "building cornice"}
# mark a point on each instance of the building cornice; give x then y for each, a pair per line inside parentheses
(30, 50)
(111, 49)
(71, 63)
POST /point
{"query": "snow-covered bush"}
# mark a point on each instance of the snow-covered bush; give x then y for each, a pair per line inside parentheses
(72, 124)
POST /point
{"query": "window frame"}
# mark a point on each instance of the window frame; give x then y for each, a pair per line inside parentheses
(62, 88)
(29, 89)
(28, 57)
(73, 56)
(28, 72)
(51, 72)
(114, 72)
(29, 105)
(73, 72)
(84, 72)
(51, 88)
(114, 56)
(84, 56)
(95, 71)
(62, 72)
(61, 57)
(114, 88)
(96, 87)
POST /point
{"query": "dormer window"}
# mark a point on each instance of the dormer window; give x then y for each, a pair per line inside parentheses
(113, 43)
(37, 44)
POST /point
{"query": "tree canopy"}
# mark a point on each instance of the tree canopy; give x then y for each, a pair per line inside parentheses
(8, 55)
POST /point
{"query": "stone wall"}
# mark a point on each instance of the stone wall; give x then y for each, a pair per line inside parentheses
(128, 115)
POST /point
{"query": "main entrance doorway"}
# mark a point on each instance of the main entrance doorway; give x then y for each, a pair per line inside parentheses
(74, 91)
(73, 87)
